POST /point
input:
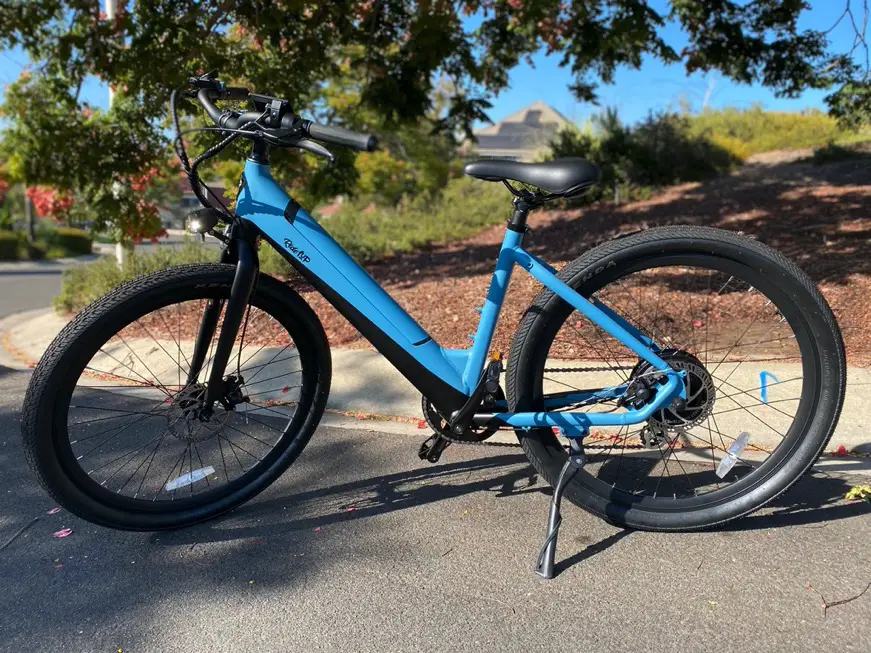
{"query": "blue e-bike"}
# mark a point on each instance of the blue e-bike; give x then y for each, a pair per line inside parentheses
(669, 379)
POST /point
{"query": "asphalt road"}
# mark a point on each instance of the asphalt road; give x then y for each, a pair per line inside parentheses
(362, 547)
(27, 287)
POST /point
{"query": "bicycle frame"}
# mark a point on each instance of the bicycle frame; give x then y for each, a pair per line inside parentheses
(447, 377)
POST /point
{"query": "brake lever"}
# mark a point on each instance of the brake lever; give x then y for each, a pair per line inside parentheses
(315, 148)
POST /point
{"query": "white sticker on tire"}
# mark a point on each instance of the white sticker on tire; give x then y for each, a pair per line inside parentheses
(189, 479)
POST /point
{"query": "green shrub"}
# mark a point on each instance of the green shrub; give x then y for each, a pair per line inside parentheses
(72, 240)
(86, 283)
(660, 150)
(8, 246)
(758, 130)
(464, 207)
(271, 262)
(34, 251)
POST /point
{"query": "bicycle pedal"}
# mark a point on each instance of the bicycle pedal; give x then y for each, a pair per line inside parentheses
(432, 448)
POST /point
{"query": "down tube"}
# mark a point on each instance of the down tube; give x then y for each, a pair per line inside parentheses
(349, 288)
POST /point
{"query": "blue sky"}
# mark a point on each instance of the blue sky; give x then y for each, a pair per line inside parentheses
(634, 92)
(657, 86)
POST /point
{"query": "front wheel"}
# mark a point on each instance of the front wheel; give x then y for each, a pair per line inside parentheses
(112, 423)
(765, 372)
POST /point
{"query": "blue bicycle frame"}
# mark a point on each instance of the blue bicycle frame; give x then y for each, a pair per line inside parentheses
(447, 377)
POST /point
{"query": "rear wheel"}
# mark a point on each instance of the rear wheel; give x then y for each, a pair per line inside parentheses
(111, 422)
(764, 363)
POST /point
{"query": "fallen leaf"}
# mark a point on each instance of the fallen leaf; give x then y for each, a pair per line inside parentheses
(64, 532)
(859, 493)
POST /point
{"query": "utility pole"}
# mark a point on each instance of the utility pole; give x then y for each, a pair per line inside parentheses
(111, 10)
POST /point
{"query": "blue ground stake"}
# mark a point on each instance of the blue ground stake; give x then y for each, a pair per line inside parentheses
(763, 381)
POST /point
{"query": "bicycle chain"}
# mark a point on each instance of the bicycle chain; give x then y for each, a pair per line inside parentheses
(485, 443)
(612, 368)
(557, 370)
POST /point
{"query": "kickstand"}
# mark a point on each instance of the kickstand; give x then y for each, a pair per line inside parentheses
(577, 459)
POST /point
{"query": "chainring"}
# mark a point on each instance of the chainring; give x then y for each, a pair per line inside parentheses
(474, 434)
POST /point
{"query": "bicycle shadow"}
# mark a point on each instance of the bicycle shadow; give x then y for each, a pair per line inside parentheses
(367, 497)
(815, 500)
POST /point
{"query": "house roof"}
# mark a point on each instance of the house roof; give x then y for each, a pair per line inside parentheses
(521, 132)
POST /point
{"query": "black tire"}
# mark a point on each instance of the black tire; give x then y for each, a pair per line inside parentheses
(55, 380)
(801, 307)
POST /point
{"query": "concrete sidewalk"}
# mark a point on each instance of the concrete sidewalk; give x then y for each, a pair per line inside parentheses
(366, 386)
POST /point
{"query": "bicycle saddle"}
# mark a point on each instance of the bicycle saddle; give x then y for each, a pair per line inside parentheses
(560, 176)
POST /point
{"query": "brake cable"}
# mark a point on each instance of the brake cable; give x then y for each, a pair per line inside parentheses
(197, 185)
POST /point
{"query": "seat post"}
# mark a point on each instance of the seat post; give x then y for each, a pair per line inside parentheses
(521, 212)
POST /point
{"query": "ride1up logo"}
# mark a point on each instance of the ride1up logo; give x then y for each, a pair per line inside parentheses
(296, 251)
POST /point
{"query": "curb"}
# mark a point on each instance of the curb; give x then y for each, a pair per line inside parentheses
(11, 355)
(379, 399)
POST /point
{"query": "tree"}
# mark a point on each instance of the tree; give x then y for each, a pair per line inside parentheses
(397, 50)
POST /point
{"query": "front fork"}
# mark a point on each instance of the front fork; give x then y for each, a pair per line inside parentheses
(247, 266)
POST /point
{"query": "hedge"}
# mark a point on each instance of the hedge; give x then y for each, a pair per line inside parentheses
(74, 241)
(8, 246)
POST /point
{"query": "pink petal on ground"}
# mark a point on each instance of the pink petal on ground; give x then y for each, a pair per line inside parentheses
(841, 451)
(64, 532)
(421, 424)
(53, 511)
(317, 529)
(698, 323)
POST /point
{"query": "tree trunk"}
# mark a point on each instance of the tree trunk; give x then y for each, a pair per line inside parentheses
(29, 219)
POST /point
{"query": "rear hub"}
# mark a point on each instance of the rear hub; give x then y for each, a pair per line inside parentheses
(682, 413)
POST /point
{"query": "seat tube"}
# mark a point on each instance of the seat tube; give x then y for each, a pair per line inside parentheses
(492, 306)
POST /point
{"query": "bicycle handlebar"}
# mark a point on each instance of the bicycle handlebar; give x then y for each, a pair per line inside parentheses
(340, 136)
(307, 128)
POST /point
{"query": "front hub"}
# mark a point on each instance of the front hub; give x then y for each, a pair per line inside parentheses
(189, 420)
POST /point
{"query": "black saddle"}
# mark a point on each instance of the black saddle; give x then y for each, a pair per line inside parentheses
(559, 177)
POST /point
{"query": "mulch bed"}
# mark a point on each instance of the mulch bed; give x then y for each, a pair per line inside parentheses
(816, 215)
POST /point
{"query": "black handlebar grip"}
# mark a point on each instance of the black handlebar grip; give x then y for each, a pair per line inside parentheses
(340, 136)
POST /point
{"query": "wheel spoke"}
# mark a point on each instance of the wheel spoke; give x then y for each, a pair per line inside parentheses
(111, 423)
(721, 322)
